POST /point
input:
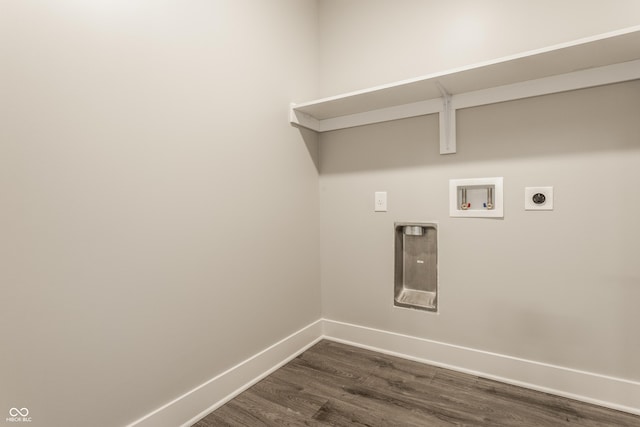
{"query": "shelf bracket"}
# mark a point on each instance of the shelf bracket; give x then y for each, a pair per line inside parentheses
(447, 123)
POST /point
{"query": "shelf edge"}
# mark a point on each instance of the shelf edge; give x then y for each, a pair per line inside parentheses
(482, 64)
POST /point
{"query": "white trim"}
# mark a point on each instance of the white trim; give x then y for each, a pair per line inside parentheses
(602, 390)
(228, 384)
(484, 64)
(448, 105)
(404, 111)
(583, 79)
(298, 118)
(589, 62)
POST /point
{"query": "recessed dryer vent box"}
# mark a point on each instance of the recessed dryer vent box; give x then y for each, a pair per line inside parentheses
(476, 198)
(416, 266)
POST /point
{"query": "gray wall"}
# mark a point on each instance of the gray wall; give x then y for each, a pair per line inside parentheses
(158, 214)
(372, 42)
(559, 287)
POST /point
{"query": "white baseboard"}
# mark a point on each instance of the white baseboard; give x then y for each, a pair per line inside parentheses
(615, 393)
(195, 404)
(588, 387)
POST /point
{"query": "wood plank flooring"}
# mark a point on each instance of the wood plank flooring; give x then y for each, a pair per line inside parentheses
(339, 385)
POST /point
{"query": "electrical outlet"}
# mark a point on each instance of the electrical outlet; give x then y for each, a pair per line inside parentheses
(538, 198)
(380, 202)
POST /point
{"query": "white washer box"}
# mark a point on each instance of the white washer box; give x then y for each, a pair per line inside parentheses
(476, 197)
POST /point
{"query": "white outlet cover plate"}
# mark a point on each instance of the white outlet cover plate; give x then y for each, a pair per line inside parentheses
(380, 201)
(528, 199)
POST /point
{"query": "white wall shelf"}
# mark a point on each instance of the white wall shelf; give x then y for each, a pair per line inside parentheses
(594, 61)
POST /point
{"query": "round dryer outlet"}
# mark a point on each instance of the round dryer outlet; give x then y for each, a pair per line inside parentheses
(538, 198)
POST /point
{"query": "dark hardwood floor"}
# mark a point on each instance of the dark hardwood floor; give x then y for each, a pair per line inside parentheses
(339, 385)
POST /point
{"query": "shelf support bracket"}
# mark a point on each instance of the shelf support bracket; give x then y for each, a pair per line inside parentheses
(447, 123)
